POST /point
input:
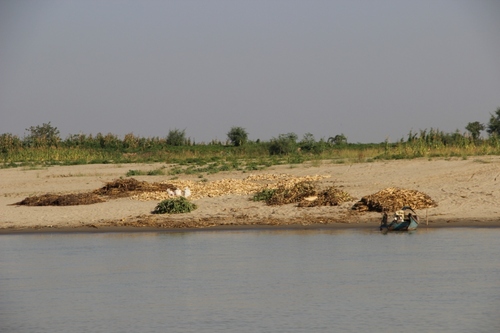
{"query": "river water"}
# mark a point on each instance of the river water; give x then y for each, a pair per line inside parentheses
(440, 280)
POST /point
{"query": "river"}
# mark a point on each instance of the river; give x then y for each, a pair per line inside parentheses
(323, 280)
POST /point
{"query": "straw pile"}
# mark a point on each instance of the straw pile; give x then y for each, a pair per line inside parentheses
(61, 200)
(286, 193)
(392, 199)
(250, 185)
(127, 187)
(142, 190)
(330, 197)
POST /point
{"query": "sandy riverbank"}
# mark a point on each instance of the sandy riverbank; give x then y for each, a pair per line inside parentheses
(467, 193)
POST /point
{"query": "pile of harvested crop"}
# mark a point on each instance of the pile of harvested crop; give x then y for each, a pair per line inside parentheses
(61, 200)
(392, 199)
(286, 194)
(250, 185)
(128, 187)
(330, 197)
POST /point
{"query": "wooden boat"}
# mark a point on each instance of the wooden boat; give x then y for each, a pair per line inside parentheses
(404, 219)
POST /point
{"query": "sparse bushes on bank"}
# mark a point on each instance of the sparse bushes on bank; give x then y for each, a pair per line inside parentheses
(43, 146)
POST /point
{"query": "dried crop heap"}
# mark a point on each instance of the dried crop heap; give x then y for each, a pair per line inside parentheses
(330, 197)
(61, 200)
(392, 199)
(286, 194)
(142, 190)
(250, 185)
(127, 187)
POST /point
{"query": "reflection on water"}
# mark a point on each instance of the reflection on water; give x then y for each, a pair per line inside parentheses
(252, 281)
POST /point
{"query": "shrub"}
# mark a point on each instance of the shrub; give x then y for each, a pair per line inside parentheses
(176, 137)
(238, 136)
(283, 145)
(45, 135)
(174, 206)
(494, 123)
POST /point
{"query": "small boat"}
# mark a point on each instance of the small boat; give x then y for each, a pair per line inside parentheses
(404, 219)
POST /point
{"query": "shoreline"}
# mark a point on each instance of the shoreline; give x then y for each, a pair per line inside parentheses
(467, 192)
(237, 227)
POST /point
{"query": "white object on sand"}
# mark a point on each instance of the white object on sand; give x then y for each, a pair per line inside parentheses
(178, 192)
(187, 192)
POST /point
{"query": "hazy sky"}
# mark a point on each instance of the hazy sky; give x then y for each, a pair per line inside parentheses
(371, 69)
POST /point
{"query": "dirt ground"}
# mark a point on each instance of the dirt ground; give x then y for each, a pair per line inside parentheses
(466, 193)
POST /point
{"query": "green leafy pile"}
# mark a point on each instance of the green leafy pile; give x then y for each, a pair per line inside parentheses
(174, 206)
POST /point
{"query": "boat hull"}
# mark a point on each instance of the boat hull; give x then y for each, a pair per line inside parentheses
(411, 223)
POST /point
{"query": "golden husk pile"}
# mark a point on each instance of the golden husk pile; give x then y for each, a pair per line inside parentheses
(250, 185)
(330, 197)
(61, 200)
(290, 194)
(392, 199)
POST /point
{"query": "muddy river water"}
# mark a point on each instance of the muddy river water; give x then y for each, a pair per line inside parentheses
(440, 280)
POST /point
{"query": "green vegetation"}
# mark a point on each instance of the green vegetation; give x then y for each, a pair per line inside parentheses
(176, 137)
(238, 136)
(43, 147)
(494, 124)
(174, 206)
(475, 129)
(155, 172)
(264, 195)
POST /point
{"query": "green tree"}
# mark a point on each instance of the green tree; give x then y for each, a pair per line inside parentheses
(283, 145)
(338, 139)
(494, 124)
(43, 136)
(238, 136)
(176, 137)
(308, 142)
(475, 129)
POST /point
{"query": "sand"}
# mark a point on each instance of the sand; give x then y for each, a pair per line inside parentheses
(467, 192)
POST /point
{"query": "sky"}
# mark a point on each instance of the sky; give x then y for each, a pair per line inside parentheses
(369, 69)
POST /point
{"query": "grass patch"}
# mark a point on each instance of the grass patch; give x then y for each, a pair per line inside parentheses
(155, 172)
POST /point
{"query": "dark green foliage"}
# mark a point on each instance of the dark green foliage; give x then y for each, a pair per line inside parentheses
(174, 206)
(284, 144)
(338, 139)
(310, 145)
(494, 124)
(307, 143)
(238, 136)
(475, 129)
(176, 137)
(264, 195)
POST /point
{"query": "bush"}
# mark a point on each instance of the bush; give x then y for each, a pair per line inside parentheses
(174, 206)
(238, 136)
(176, 137)
(45, 135)
(283, 145)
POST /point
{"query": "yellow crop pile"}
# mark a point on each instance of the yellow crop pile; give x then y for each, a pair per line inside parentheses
(249, 185)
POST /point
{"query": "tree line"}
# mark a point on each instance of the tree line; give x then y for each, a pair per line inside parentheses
(48, 136)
